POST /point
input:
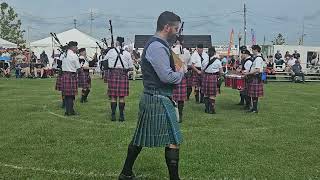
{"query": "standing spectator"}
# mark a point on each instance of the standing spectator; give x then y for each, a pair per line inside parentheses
(296, 55)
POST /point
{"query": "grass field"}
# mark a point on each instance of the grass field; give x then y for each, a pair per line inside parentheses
(38, 142)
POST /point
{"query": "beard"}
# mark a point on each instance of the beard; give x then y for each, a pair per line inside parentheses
(172, 36)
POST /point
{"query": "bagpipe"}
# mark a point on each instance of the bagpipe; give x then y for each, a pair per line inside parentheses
(63, 49)
(177, 61)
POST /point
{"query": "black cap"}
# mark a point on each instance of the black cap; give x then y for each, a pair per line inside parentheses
(120, 39)
(245, 52)
(82, 49)
(242, 48)
(200, 46)
(72, 43)
(256, 47)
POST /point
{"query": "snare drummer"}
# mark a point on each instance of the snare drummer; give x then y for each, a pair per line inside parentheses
(212, 69)
(246, 64)
(255, 87)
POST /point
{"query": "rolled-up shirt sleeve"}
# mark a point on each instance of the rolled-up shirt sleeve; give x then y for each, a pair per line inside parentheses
(157, 55)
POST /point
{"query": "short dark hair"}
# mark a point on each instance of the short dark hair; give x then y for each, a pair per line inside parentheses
(167, 18)
(256, 47)
(211, 51)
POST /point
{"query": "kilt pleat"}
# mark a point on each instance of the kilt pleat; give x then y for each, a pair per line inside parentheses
(196, 79)
(58, 86)
(255, 88)
(157, 124)
(118, 83)
(84, 80)
(69, 85)
(105, 76)
(210, 85)
(180, 91)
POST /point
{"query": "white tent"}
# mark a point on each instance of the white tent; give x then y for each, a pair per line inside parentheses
(7, 44)
(49, 45)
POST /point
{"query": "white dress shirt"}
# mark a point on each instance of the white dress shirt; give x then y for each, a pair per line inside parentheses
(212, 68)
(247, 66)
(257, 64)
(70, 63)
(112, 55)
(196, 59)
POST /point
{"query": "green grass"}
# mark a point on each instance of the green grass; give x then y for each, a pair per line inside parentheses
(281, 142)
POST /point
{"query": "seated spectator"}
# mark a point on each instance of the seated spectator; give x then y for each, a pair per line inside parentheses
(315, 61)
(287, 55)
(38, 68)
(278, 55)
(290, 61)
(270, 66)
(5, 68)
(296, 70)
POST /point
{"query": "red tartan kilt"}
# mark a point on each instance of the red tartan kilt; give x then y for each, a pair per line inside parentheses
(255, 89)
(210, 85)
(189, 81)
(59, 83)
(69, 85)
(105, 76)
(118, 83)
(196, 79)
(180, 91)
(84, 80)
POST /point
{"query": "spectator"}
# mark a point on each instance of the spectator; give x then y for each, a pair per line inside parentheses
(5, 68)
(296, 70)
(278, 55)
(290, 62)
(296, 55)
(270, 66)
(287, 55)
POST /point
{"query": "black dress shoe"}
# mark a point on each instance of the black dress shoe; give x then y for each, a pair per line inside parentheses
(124, 177)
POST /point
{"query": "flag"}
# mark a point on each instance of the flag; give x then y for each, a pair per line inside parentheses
(253, 37)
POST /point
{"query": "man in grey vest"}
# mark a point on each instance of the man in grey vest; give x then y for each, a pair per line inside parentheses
(157, 123)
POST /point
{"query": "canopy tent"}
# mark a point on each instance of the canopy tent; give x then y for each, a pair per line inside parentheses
(50, 46)
(7, 44)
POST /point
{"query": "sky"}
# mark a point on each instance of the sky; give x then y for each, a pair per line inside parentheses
(217, 18)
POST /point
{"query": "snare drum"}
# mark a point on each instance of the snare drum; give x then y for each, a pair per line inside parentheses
(228, 81)
(240, 82)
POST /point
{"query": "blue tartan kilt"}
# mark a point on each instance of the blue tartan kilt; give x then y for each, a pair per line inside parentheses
(157, 124)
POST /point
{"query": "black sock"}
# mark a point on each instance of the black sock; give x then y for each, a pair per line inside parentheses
(196, 95)
(87, 93)
(212, 105)
(248, 101)
(189, 91)
(121, 110)
(206, 104)
(113, 108)
(180, 108)
(132, 154)
(255, 104)
(63, 101)
(72, 104)
(201, 97)
(172, 161)
(83, 92)
(68, 104)
(241, 99)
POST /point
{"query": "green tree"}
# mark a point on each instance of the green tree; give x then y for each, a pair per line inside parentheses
(279, 40)
(10, 25)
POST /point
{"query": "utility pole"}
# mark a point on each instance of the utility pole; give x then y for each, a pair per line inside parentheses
(75, 23)
(91, 20)
(303, 34)
(245, 24)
